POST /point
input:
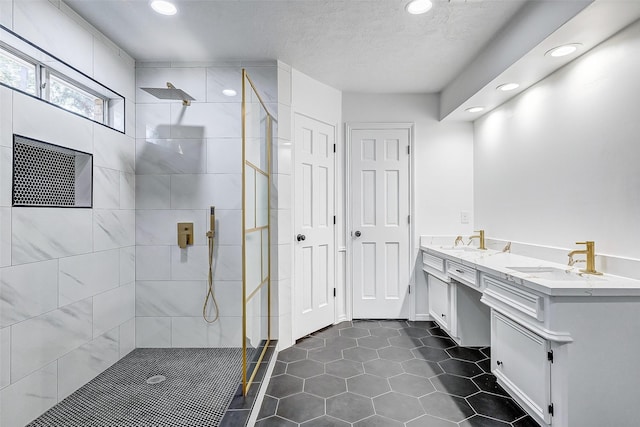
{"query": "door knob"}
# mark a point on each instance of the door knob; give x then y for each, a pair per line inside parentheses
(300, 237)
(358, 233)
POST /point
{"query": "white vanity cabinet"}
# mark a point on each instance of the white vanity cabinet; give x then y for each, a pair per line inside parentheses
(442, 303)
(521, 361)
(454, 301)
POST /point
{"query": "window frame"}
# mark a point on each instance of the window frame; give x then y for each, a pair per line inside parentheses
(113, 118)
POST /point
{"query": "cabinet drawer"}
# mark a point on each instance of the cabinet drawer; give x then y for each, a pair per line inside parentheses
(462, 273)
(519, 360)
(433, 261)
(515, 297)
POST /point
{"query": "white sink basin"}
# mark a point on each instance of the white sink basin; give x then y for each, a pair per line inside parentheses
(460, 248)
(553, 273)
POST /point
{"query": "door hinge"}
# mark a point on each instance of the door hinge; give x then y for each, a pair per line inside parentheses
(551, 409)
(334, 292)
(334, 148)
(334, 220)
(408, 149)
(409, 289)
(408, 219)
(550, 356)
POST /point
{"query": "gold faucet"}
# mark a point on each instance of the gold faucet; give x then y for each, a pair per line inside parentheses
(479, 236)
(590, 253)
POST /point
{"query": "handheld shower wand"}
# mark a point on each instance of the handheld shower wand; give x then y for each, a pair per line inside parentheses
(210, 293)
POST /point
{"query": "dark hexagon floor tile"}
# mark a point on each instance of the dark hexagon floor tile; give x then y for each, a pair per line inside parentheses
(485, 365)
(325, 385)
(374, 343)
(415, 332)
(292, 354)
(430, 353)
(360, 354)
(438, 342)
(405, 342)
(438, 332)
(393, 324)
(384, 332)
(340, 343)
(349, 407)
(526, 422)
(480, 421)
(460, 367)
(395, 354)
(300, 407)
(378, 421)
(424, 324)
(453, 384)
(275, 422)
(466, 353)
(499, 407)
(325, 354)
(488, 382)
(354, 332)
(325, 421)
(486, 351)
(383, 368)
(343, 325)
(411, 384)
(368, 385)
(305, 368)
(284, 385)
(428, 420)
(268, 408)
(309, 343)
(344, 368)
(398, 406)
(279, 368)
(423, 368)
(329, 332)
(446, 406)
(366, 323)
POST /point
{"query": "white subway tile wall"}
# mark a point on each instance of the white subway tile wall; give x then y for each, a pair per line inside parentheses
(67, 276)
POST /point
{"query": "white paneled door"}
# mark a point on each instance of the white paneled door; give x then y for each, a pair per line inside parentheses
(314, 228)
(380, 222)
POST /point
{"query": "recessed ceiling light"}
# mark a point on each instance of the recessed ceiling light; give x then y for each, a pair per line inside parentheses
(417, 7)
(164, 7)
(563, 50)
(475, 109)
(508, 86)
(229, 92)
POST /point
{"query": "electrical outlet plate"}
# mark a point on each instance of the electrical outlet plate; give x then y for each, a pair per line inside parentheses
(464, 217)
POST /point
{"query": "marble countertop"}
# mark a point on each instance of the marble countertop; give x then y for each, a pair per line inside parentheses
(557, 280)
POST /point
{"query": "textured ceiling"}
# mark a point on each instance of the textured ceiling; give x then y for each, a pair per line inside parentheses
(353, 45)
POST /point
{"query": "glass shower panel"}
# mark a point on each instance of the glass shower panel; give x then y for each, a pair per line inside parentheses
(256, 282)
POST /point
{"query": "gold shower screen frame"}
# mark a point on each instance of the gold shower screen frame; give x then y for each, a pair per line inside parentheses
(247, 377)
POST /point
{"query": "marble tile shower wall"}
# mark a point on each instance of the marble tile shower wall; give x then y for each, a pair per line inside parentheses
(67, 276)
(189, 158)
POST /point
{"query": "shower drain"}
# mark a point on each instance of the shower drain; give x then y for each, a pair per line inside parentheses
(156, 379)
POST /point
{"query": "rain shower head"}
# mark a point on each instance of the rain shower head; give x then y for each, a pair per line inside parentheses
(170, 92)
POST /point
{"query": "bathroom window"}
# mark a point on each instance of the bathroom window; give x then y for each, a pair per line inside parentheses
(70, 97)
(27, 68)
(17, 73)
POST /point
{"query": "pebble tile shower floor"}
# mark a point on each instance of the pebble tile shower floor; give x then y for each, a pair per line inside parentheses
(386, 374)
(199, 386)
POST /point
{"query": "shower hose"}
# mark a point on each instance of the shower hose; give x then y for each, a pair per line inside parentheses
(210, 293)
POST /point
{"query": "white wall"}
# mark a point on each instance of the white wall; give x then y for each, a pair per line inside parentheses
(443, 159)
(559, 163)
(189, 158)
(67, 275)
